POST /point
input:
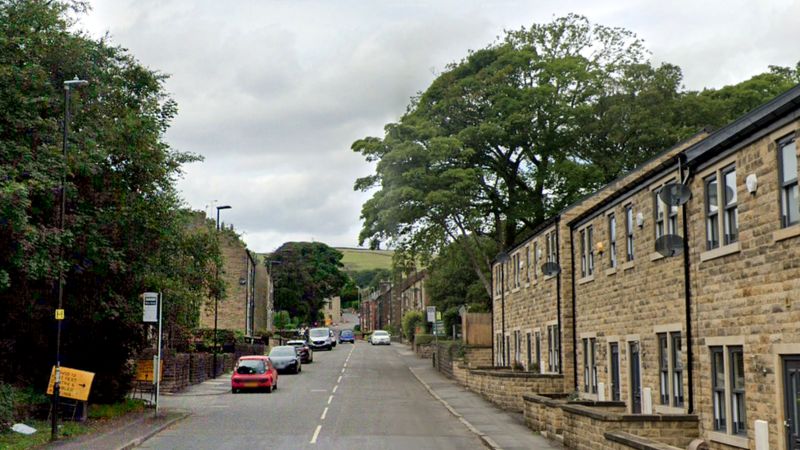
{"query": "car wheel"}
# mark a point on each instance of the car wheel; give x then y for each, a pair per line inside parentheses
(269, 389)
(235, 391)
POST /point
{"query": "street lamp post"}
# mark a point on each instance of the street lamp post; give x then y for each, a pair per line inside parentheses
(68, 86)
(503, 258)
(216, 297)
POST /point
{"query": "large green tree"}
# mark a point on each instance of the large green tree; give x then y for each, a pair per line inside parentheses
(308, 273)
(125, 232)
(520, 129)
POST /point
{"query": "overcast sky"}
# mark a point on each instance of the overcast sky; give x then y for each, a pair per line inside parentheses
(273, 93)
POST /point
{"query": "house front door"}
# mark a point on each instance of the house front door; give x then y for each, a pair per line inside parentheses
(636, 379)
(791, 383)
(614, 350)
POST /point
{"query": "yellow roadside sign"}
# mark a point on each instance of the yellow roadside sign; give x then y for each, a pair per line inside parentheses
(327, 321)
(59, 314)
(144, 370)
(75, 384)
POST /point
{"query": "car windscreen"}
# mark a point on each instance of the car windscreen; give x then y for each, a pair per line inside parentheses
(347, 333)
(318, 332)
(296, 343)
(251, 367)
(282, 351)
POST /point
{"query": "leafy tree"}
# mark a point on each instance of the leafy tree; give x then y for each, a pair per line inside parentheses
(518, 130)
(281, 320)
(308, 273)
(125, 232)
(490, 147)
(451, 281)
(411, 321)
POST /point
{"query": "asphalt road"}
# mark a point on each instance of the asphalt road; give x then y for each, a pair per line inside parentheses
(354, 397)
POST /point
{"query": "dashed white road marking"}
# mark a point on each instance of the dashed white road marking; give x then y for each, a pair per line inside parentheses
(330, 399)
(324, 413)
(316, 434)
(339, 380)
(335, 388)
(343, 369)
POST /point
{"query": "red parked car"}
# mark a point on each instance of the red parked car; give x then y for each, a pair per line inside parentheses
(254, 372)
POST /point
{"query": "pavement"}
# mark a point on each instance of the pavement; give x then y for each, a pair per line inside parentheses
(355, 396)
(496, 428)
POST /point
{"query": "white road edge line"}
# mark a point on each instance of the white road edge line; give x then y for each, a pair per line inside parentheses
(316, 434)
(330, 399)
(335, 388)
(324, 413)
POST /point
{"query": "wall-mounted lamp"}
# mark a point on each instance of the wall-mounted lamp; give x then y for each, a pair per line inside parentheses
(538, 252)
(640, 219)
(600, 247)
(242, 281)
(752, 183)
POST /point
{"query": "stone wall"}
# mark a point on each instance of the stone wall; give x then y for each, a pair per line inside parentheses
(478, 356)
(424, 351)
(585, 427)
(505, 388)
(543, 412)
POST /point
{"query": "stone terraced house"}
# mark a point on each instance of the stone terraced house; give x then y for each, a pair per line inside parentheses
(672, 317)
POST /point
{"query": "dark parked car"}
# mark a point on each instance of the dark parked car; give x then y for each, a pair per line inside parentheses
(347, 336)
(254, 372)
(305, 352)
(285, 359)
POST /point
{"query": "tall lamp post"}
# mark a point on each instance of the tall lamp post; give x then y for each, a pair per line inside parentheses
(503, 259)
(68, 86)
(216, 297)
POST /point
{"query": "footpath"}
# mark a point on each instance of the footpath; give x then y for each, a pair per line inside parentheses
(497, 429)
(132, 430)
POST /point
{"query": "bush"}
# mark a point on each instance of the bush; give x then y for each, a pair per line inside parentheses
(6, 406)
(411, 321)
(356, 328)
(422, 339)
(281, 320)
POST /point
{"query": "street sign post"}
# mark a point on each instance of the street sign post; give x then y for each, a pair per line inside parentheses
(154, 312)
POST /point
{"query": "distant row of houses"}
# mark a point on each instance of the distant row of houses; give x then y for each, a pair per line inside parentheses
(384, 308)
(673, 292)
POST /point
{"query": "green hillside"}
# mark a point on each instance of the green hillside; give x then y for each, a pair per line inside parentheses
(356, 259)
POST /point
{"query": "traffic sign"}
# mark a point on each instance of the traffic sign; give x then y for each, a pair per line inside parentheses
(59, 314)
(431, 310)
(150, 307)
(75, 384)
(145, 372)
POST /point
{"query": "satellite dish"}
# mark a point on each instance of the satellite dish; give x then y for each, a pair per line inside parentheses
(551, 269)
(674, 194)
(669, 245)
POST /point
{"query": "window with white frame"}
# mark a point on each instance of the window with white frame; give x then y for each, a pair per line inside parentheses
(590, 365)
(722, 212)
(551, 247)
(629, 232)
(670, 368)
(527, 264)
(728, 390)
(553, 347)
(587, 251)
(666, 216)
(790, 204)
(612, 240)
